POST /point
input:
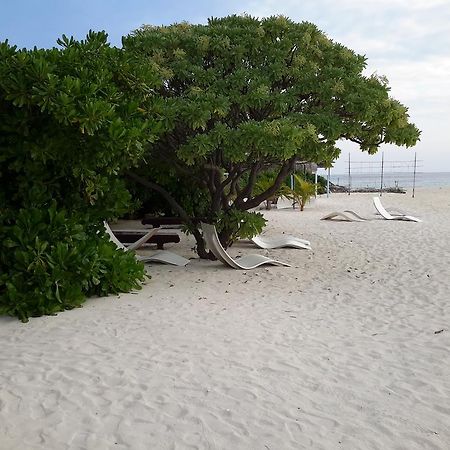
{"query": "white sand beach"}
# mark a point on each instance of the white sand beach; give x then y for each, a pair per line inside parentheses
(347, 349)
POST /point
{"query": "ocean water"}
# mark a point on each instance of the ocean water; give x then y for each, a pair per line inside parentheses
(392, 179)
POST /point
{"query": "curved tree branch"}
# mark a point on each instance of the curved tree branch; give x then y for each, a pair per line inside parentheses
(287, 167)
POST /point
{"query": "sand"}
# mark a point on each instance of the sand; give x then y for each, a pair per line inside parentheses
(347, 349)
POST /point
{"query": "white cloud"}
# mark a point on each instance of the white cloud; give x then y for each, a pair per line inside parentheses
(408, 41)
(404, 4)
(419, 82)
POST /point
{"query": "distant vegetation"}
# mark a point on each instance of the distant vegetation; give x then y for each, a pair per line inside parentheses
(185, 118)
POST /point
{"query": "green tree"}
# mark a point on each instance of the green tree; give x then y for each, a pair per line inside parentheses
(246, 94)
(302, 191)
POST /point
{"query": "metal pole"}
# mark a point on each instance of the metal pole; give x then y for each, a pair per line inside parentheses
(414, 177)
(382, 173)
(349, 175)
(315, 184)
(328, 182)
(292, 187)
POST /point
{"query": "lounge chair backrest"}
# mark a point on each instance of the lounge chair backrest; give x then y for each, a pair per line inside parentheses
(245, 263)
(213, 243)
(113, 238)
(161, 256)
(381, 209)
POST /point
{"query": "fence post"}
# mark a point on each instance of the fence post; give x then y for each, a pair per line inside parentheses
(382, 173)
(414, 177)
(349, 176)
(315, 184)
(328, 182)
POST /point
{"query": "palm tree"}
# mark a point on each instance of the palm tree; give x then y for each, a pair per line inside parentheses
(303, 190)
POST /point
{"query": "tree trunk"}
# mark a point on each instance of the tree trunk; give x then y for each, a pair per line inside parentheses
(178, 209)
(201, 247)
(225, 238)
(255, 201)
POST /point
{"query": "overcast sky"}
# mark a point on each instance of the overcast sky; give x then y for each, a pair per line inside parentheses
(406, 40)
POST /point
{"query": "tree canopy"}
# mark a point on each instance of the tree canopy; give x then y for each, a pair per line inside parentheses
(245, 94)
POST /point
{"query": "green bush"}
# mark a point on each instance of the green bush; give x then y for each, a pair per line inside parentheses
(321, 181)
(69, 128)
(50, 262)
(240, 225)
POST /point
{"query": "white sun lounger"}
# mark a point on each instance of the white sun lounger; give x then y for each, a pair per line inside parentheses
(134, 245)
(281, 241)
(347, 215)
(385, 214)
(245, 263)
(161, 256)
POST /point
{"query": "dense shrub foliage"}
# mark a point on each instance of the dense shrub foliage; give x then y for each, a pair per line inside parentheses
(68, 128)
(51, 262)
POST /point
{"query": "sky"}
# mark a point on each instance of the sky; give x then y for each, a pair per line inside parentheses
(408, 41)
